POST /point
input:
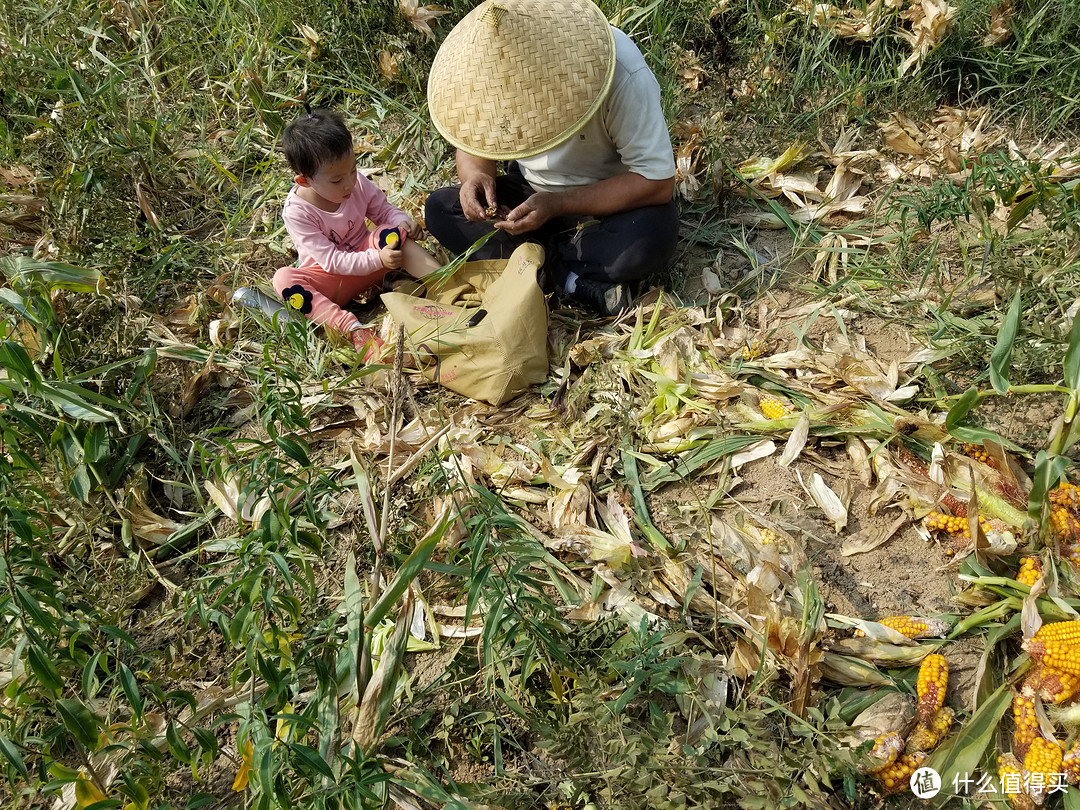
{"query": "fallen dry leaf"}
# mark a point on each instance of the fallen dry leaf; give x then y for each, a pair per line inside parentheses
(1000, 30)
(421, 17)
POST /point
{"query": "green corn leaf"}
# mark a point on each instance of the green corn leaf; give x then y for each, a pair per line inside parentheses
(22, 270)
(1072, 355)
(408, 571)
(354, 623)
(1048, 471)
(374, 708)
(961, 755)
(1001, 357)
(79, 721)
(961, 408)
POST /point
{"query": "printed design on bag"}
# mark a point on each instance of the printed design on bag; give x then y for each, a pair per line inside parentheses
(432, 312)
(296, 297)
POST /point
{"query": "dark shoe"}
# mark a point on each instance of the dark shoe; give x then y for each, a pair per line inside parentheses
(601, 296)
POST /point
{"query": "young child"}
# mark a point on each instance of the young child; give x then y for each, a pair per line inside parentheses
(326, 214)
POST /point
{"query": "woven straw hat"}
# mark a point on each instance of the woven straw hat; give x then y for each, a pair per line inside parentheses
(516, 77)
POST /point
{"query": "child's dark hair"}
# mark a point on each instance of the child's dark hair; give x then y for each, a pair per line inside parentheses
(314, 139)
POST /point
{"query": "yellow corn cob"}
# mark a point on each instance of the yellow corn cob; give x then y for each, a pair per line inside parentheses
(926, 738)
(1070, 552)
(897, 776)
(1025, 724)
(976, 452)
(1067, 495)
(1011, 777)
(1070, 765)
(754, 349)
(951, 524)
(1065, 525)
(1043, 758)
(1056, 686)
(930, 688)
(774, 408)
(886, 749)
(1057, 645)
(913, 626)
(1030, 571)
(767, 536)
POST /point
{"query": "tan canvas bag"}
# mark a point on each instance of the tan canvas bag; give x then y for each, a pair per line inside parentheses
(482, 332)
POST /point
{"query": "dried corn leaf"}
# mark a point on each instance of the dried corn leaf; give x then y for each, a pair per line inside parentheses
(874, 631)
(147, 524)
(867, 540)
(388, 66)
(760, 167)
(847, 671)
(796, 441)
(827, 501)
(930, 21)
(903, 135)
(1000, 29)
(754, 452)
(893, 713)
(421, 17)
(880, 652)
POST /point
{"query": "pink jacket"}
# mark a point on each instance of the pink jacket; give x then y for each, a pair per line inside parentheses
(339, 242)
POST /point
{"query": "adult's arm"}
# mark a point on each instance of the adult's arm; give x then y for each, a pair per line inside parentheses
(623, 192)
(477, 178)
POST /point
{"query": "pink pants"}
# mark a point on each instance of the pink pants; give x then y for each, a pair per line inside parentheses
(320, 295)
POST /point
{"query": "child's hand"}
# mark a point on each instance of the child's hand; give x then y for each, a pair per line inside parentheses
(392, 257)
(412, 229)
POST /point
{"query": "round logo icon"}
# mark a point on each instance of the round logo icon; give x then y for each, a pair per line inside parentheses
(925, 783)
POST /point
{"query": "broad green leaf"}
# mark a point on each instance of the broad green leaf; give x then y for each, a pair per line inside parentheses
(1048, 471)
(1072, 355)
(31, 605)
(44, 669)
(962, 755)
(58, 275)
(80, 485)
(176, 743)
(9, 752)
(294, 449)
(961, 408)
(408, 571)
(80, 722)
(96, 444)
(1022, 209)
(310, 757)
(1072, 799)
(131, 689)
(87, 794)
(1001, 358)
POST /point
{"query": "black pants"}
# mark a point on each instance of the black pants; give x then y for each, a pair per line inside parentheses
(617, 248)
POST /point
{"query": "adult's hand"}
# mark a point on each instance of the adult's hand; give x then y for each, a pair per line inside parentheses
(531, 214)
(477, 178)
